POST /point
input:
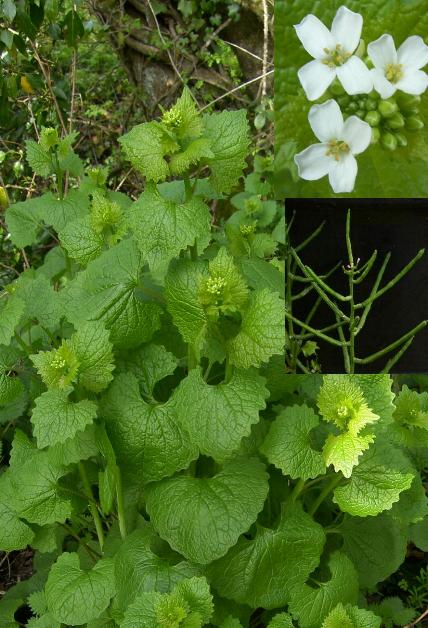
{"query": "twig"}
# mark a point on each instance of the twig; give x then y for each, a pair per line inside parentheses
(124, 179)
(419, 619)
(236, 89)
(265, 47)
(47, 77)
(73, 89)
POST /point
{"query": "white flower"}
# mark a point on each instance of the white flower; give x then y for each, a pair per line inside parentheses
(400, 69)
(340, 141)
(333, 53)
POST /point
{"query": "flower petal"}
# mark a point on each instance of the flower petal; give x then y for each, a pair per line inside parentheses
(314, 36)
(382, 51)
(381, 84)
(326, 121)
(355, 76)
(357, 134)
(414, 82)
(343, 174)
(315, 78)
(413, 53)
(313, 163)
(346, 28)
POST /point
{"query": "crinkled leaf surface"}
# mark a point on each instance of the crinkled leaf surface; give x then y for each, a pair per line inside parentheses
(262, 331)
(147, 438)
(55, 418)
(14, 533)
(218, 417)
(75, 596)
(93, 350)
(106, 292)
(288, 444)
(203, 517)
(262, 571)
(311, 605)
(351, 617)
(163, 228)
(81, 242)
(376, 545)
(149, 364)
(376, 483)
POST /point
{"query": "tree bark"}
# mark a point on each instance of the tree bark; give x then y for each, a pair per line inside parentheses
(160, 70)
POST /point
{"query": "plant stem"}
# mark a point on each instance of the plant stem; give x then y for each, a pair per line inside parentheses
(334, 481)
(23, 344)
(314, 331)
(120, 504)
(394, 345)
(192, 361)
(92, 507)
(298, 489)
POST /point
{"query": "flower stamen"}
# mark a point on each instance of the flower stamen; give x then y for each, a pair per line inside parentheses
(337, 149)
(336, 56)
(394, 72)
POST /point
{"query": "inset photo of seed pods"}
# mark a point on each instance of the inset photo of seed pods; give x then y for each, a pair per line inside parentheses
(351, 99)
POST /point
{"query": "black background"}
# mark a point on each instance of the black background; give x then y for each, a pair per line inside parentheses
(396, 225)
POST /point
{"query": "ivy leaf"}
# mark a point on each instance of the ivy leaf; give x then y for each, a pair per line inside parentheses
(288, 444)
(218, 417)
(163, 228)
(262, 331)
(376, 545)
(147, 438)
(263, 571)
(181, 293)
(311, 605)
(106, 291)
(55, 418)
(149, 364)
(138, 568)
(351, 617)
(376, 483)
(74, 596)
(14, 533)
(203, 517)
(229, 135)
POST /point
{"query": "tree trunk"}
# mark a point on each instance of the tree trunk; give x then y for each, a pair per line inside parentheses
(160, 69)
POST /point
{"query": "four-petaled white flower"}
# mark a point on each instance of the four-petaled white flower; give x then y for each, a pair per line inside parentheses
(340, 141)
(400, 69)
(333, 52)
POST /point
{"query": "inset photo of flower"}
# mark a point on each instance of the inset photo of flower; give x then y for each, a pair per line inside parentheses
(351, 99)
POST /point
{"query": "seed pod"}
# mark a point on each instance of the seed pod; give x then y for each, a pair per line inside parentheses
(414, 123)
(401, 139)
(373, 118)
(396, 121)
(389, 141)
(387, 108)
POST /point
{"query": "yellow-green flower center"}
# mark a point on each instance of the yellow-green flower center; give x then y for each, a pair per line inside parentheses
(247, 229)
(343, 412)
(215, 285)
(337, 149)
(394, 72)
(172, 119)
(336, 56)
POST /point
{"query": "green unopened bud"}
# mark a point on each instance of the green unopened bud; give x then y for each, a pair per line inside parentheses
(387, 108)
(375, 135)
(371, 104)
(353, 107)
(368, 62)
(414, 123)
(409, 103)
(401, 139)
(360, 113)
(343, 101)
(337, 89)
(4, 198)
(373, 118)
(396, 121)
(389, 141)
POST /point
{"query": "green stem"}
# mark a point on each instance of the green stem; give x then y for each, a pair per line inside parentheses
(92, 507)
(352, 323)
(393, 361)
(328, 488)
(344, 349)
(394, 345)
(120, 505)
(313, 235)
(23, 344)
(188, 188)
(194, 252)
(192, 360)
(314, 331)
(364, 270)
(372, 296)
(297, 489)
